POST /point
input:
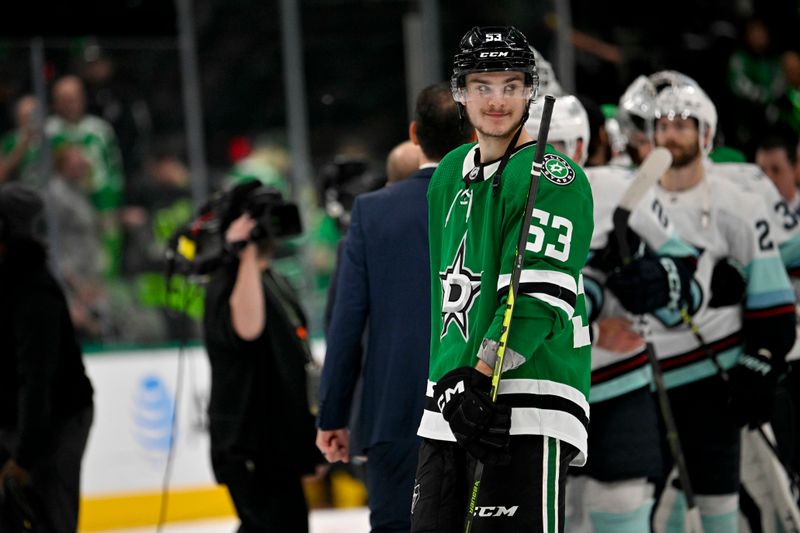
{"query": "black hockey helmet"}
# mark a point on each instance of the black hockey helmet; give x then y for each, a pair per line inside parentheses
(493, 48)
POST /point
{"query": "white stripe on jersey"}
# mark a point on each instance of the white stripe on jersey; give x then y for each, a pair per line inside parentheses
(534, 386)
(555, 302)
(563, 280)
(543, 386)
(553, 277)
(524, 421)
(545, 475)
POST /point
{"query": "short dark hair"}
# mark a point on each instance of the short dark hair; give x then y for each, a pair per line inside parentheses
(440, 129)
(775, 141)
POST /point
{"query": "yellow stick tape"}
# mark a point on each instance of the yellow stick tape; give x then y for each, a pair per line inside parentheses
(100, 513)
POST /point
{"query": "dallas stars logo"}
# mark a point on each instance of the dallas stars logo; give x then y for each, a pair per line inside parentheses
(557, 170)
(460, 288)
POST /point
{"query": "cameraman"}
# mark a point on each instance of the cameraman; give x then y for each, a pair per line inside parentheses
(262, 432)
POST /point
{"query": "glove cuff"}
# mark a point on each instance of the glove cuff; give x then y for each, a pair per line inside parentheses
(456, 382)
(760, 362)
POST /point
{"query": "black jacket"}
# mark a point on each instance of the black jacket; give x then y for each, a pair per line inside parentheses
(42, 377)
(259, 404)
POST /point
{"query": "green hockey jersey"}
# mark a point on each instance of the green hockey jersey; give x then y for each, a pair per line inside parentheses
(474, 234)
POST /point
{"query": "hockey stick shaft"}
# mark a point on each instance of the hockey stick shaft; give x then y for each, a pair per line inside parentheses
(673, 437)
(516, 272)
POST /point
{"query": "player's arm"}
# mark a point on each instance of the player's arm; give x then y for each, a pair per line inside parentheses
(769, 314)
(769, 317)
(557, 245)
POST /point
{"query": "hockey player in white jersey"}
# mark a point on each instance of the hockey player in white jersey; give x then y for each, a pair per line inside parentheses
(614, 492)
(748, 177)
(742, 332)
(765, 484)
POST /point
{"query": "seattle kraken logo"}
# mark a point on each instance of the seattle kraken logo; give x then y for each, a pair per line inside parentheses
(460, 288)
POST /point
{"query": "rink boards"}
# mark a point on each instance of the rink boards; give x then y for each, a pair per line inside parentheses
(129, 445)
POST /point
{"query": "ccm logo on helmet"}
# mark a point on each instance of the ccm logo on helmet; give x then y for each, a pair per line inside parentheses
(494, 54)
(491, 512)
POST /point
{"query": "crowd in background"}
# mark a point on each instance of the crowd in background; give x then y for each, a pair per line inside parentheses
(117, 186)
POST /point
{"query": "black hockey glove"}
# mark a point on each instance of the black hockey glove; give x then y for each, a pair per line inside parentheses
(480, 426)
(728, 286)
(647, 284)
(753, 382)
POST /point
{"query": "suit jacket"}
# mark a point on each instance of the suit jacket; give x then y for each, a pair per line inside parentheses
(383, 286)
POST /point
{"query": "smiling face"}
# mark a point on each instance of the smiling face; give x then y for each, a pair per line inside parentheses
(495, 102)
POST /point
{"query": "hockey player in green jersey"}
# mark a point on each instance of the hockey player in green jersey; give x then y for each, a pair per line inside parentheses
(477, 199)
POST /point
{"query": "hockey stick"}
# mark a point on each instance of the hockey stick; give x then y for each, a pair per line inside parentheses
(766, 480)
(793, 477)
(653, 167)
(516, 272)
(782, 476)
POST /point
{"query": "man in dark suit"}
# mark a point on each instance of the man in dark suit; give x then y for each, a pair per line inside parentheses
(383, 286)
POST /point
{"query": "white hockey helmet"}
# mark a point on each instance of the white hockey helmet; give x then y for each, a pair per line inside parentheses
(548, 84)
(679, 95)
(568, 123)
(616, 137)
(636, 109)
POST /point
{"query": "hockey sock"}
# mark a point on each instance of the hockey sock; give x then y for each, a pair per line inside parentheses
(635, 521)
(719, 513)
(619, 507)
(671, 514)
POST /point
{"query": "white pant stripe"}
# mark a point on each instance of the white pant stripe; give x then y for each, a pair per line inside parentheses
(545, 471)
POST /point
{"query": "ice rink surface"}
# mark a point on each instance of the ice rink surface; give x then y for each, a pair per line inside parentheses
(321, 521)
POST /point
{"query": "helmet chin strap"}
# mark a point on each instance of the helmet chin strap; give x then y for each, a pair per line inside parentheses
(509, 149)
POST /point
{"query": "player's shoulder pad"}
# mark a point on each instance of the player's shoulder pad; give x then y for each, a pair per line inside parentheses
(747, 176)
(448, 171)
(609, 176)
(739, 172)
(739, 202)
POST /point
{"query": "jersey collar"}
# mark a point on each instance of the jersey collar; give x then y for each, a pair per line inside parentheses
(473, 171)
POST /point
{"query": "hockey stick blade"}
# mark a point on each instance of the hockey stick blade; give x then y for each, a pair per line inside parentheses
(653, 167)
